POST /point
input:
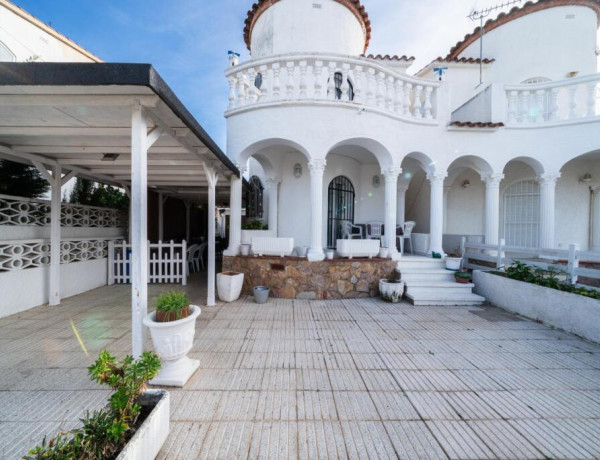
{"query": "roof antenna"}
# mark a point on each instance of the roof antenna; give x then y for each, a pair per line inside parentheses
(480, 15)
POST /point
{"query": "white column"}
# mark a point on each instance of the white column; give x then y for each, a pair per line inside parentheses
(161, 219)
(391, 196)
(446, 192)
(316, 168)
(492, 207)
(188, 220)
(547, 183)
(139, 229)
(235, 215)
(272, 186)
(212, 177)
(436, 212)
(596, 218)
(401, 204)
(55, 237)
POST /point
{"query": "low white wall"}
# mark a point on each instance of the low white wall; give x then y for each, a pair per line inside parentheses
(25, 289)
(570, 312)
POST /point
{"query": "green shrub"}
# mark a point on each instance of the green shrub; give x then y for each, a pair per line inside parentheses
(172, 301)
(105, 431)
(254, 225)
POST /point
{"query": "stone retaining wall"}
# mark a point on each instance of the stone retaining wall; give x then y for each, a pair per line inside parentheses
(297, 278)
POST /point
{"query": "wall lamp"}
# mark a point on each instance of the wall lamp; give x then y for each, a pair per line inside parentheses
(297, 170)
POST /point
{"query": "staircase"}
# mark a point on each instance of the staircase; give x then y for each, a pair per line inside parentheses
(429, 283)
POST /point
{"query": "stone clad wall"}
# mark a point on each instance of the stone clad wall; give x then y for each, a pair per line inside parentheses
(296, 278)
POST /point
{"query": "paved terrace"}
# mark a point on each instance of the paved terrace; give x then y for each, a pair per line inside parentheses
(308, 379)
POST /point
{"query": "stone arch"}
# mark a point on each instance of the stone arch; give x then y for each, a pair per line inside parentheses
(460, 164)
(379, 151)
(256, 151)
(579, 155)
(425, 161)
(534, 163)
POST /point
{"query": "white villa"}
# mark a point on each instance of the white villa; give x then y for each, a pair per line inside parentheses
(333, 134)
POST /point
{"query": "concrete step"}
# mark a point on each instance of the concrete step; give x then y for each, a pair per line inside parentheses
(431, 275)
(435, 285)
(445, 298)
(421, 264)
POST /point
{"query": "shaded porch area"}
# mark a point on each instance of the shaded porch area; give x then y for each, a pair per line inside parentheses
(304, 379)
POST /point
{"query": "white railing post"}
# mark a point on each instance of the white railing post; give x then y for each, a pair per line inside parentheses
(111, 262)
(500, 254)
(591, 99)
(184, 263)
(318, 83)
(573, 263)
(573, 101)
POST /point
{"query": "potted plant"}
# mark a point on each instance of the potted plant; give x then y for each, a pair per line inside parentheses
(453, 260)
(172, 327)
(391, 289)
(462, 276)
(229, 285)
(134, 424)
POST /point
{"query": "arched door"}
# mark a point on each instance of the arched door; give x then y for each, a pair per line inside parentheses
(340, 199)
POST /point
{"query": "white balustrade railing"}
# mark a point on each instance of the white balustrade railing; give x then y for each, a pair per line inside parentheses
(554, 101)
(311, 78)
(22, 254)
(167, 262)
(16, 210)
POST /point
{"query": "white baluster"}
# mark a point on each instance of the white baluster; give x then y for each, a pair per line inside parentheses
(540, 96)
(427, 105)
(331, 82)
(380, 89)
(573, 101)
(407, 98)
(276, 82)
(241, 99)
(252, 97)
(231, 81)
(417, 113)
(264, 88)
(318, 70)
(303, 69)
(399, 99)
(358, 76)
(291, 80)
(512, 106)
(345, 86)
(591, 99)
(389, 93)
(371, 87)
(525, 107)
(554, 104)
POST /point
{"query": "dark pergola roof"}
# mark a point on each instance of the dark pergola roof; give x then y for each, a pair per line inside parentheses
(73, 114)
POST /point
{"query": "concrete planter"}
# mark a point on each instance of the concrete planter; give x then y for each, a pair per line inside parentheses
(173, 341)
(570, 312)
(453, 263)
(391, 292)
(229, 285)
(152, 434)
(244, 249)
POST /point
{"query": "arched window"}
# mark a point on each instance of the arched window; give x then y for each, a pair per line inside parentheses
(6, 55)
(340, 199)
(254, 199)
(522, 214)
(534, 80)
(338, 80)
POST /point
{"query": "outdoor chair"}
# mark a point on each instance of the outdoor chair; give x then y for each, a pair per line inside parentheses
(374, 230)
(190, 252)
(407, 235)
(351, 231)
(199, 260)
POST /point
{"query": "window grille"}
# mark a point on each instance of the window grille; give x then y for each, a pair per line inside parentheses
(254, 199)
(340, 198)
(522, 214)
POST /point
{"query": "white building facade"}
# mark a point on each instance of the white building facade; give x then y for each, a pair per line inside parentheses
(515, 157)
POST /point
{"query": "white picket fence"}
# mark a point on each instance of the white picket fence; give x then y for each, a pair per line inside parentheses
(167, 263)
(501, 256)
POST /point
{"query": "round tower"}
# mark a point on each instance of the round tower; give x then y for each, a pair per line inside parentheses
(275, 27)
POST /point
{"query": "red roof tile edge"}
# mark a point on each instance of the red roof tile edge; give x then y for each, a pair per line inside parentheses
(387, 57)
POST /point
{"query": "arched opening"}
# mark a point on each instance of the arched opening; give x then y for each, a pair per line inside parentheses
(522, 213)
(340, 208)
(254, 198)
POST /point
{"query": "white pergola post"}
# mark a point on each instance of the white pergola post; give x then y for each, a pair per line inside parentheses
(436, 218)
(188, 220)
(212, 177)
(391, 196)
(401, 204)
(161, 218)
(317, 168)
(596, 218)
(235, 216)
(492, 207)
(272, 186)
(547, 183)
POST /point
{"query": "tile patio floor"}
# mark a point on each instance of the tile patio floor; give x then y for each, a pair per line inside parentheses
(321, 379)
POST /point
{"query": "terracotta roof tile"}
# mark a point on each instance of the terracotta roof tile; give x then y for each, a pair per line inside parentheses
(387, 57)
(518, 12)
(261, 6)
(476, 124)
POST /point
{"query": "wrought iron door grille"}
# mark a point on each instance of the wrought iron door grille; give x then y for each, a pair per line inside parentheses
(340, 199)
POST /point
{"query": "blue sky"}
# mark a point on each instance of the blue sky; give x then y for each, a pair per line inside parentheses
(187, 40)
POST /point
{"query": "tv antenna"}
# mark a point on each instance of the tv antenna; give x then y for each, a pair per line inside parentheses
(480, 15)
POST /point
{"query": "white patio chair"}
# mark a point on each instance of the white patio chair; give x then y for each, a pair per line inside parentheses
(200, 258)
(347, 231)
(408, 228)
(191, 251)
(374, 230)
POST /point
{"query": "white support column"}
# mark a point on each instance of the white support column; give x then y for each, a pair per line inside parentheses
(316, 168)
(188, 220)
(547, 183)
(139, 229)
(492, 207)
(55, 237)
(272, 186)
(161, 216)
(596, 218)
(211, 176)
(391, 196)
(446, 192)
(436, 218)
(401, 204)
(235, 216)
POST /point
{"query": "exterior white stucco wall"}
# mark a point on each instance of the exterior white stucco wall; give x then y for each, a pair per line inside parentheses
(466, 206)
(323, 26)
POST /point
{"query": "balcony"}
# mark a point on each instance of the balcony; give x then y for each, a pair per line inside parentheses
(310, 79)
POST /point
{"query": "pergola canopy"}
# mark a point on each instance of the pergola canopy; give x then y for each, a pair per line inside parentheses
(79, 117)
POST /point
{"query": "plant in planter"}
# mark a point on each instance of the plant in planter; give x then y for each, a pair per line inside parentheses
(124, 426)
(229, 285)
(254, 225)
(453, 260)
(392, 289)
(462, 276)
(173, 327)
